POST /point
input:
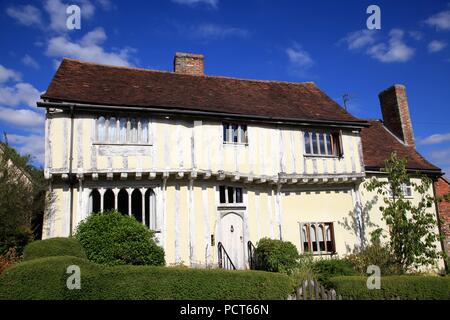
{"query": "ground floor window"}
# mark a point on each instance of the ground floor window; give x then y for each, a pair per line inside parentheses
(137, 202)
(318, 237)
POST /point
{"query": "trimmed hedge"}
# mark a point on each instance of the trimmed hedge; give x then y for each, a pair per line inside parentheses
(53, 247)
(112, 238)
(276, 255)
(46, 279)
(325, 269)
(413, 287)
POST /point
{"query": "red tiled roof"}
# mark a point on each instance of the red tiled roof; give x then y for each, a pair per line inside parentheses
(82, 82)
(378, 144)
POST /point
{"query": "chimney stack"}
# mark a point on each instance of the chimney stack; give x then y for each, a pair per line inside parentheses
(395, 110)
(188, 63)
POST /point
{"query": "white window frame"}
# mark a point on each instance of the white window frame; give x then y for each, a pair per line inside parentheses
(230, 133)
(334, 153)
(117, 131)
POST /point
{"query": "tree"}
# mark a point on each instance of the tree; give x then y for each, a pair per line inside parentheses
(22, 194)
(412, 227)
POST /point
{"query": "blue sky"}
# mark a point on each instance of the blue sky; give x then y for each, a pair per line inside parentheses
(322, 41)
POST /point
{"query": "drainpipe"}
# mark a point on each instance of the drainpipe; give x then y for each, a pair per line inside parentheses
(71, 178)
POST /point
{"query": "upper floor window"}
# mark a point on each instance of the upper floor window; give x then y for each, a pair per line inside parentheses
(122, 130)
(406, 190)
(235, 133)
(318, 237)
(230, 195)
(323, 143)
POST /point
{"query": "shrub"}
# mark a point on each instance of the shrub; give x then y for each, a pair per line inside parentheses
(276, 255)
(8, 259)
(394, 287)
(304, 269)
(53, 247)
(374, 254)
(115, 239)
(46, 279)
(324, 269)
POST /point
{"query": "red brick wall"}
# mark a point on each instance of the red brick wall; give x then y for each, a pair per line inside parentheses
(442, 187)
(395, 110)
(189, 63)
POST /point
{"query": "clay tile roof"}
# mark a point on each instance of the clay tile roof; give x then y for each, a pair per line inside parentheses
(378, 144)
(90, 83)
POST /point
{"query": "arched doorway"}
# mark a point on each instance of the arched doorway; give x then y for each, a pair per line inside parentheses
(232, 238)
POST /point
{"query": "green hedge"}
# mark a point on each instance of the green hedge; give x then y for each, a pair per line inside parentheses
(112, 238)
(276, 255)
(413, 287)
(53, 247)
(46, 279)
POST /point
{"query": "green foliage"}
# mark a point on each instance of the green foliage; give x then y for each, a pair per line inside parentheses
(115, 239)
(324, 269)
(304, 269)
(374, 254)
(46, 279)
(411, 226)
(21, 200)
(394, 287)
(276, 255)
(53, 247)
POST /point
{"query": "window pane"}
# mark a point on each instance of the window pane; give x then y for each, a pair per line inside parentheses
(307, 142)
(144, 131)
(112, 129)
(222, 194)
(336, 145)
(239, 195)
(123, 130)
(133, 131)
(328, 143)
(235, 133)
(322, 143)
(245, 134)
(225, 132)
(101, 129)
(230, 195)
(314, 143)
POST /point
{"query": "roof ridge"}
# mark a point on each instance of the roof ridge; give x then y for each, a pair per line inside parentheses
(188, 75)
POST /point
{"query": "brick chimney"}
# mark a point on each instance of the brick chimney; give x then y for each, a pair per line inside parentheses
(395, 110)
(188, 63)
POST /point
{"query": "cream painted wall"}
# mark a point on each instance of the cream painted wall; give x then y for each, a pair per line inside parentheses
(170, 148)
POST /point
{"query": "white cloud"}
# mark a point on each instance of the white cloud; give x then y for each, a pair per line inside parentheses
(20, 93)
(24, 118)
(299, 58)
(32, 144)
(89, 49)
(436, 138)
(30, 62)
(441, 156)
(56, 10)
(8, 74)
(211, 3)
(436, 45)
(27, 15)
(416, 35)
(359, 39)
(393, 51)
(441, 20)
(209, 31)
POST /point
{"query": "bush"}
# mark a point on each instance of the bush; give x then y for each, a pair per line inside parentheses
(8, 259)
(374, 254)
(114, 239)
(326, 268)
(53, 247)
(46, 279)
(394, 287)
(276, 255)
(304, 269)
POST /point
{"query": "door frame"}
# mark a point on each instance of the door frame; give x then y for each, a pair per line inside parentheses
(243, 215)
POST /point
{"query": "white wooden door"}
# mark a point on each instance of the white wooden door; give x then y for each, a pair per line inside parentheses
(233, 238)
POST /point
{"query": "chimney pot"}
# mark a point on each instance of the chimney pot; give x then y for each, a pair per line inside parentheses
(189, 63)
(395, 110)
